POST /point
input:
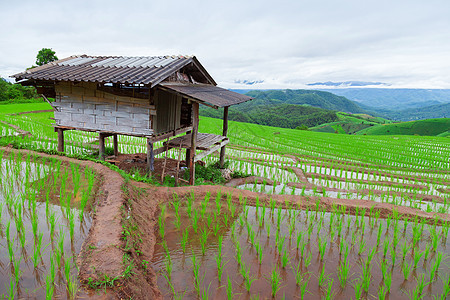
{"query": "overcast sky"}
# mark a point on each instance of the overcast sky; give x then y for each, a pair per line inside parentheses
(285, 44)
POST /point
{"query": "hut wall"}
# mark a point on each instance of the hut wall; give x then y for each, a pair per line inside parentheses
(168, 111)
(83, 106)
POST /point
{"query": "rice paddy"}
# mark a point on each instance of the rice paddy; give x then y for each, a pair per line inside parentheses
(216, 247)
(44, 219)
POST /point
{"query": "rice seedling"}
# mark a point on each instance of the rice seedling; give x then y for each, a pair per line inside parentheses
(284, 259)
(184, 240)
(436, 265)
(407, 269)
(366, 276)
(275, 282)
(203, 240)
(229, 289)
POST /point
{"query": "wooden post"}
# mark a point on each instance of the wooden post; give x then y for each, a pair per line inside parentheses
(188, 152)
(193, 143)
(225, 132)
(116, 145)
(60, 139)
(150, 157)
(101, 146)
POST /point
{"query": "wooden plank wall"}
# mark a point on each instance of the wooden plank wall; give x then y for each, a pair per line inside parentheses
(168, 111)
(84, 106)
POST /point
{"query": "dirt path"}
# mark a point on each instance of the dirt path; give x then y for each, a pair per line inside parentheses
(18, 129)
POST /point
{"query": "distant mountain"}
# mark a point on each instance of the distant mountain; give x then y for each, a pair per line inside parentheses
(348, 83)
(394, 99)
(411, 114)
(314, 98)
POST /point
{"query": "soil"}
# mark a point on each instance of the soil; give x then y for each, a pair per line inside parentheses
(103, 251)
(138, 161)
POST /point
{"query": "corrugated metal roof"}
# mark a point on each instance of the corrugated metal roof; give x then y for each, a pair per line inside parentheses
(211, 94)
(108, 69)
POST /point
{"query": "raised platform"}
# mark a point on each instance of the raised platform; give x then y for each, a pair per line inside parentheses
(204, 141)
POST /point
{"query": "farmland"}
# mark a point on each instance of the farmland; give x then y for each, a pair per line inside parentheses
(325, 216)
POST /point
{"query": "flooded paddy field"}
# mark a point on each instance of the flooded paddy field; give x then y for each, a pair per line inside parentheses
(44, 219)
(215, 248)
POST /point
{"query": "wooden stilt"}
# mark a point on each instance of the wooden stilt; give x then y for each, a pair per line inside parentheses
(165, 160)
(225, 132)
(101, 146)
(150, 158)
(116, 145)
(60, 139)
(188, 152)
(178, 165)
(193, 143)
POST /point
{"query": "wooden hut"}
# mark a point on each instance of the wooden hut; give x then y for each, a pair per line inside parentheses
(153, 97)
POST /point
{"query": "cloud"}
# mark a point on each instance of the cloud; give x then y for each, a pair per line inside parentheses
(287, 44)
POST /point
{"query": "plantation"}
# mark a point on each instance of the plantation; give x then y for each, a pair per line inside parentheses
(324, 216)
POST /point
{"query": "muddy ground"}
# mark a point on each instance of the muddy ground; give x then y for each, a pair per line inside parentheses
(124, 226)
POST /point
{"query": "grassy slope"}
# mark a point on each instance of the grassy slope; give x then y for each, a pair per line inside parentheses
(431, 127)
(350, 123)
(387, 150)
(15, 108)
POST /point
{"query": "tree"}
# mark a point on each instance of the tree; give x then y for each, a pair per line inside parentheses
(45, 55)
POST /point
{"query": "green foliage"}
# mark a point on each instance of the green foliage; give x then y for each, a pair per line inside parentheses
(302, 127)
(45, 55)
(14, 93)
(208, 173)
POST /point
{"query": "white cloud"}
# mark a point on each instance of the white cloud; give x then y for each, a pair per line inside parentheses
(285, 43)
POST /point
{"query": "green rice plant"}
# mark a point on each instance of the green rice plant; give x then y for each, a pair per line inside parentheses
(284, 259)
(275, 282)
(248, 280)
(203, 240)
(387, 280)
(366, 276)
(393, 254)
(17, 272)
(405, 249)
(259, 251)
(184, 240)
(436, 265)
(194, 220)
(362, 246)
(204, 203)
(329, 294)
(426, 252)
(446, 287)
(308, 260)
(229, 289)
(382, 292)
(322, 247)
(299, 239)
(385, 247)
(238, 252)
(358, 287)
(161, 221)
(343, 269)
(417, 293)
(417, 256)
(407, 269)
(49, 287)
(218, 203)
(205, 293)
(380, 229)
